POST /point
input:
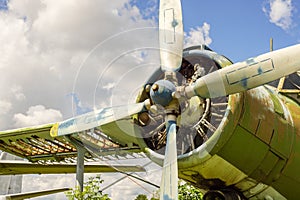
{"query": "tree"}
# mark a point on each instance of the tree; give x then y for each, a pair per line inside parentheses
(141, 197)
(188, 192)
(144, 197)
(91, 191)
(185, 192)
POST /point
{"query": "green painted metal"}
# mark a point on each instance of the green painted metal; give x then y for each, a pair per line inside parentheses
(36, 144)
(244, 150)
(18, 167)
(260, 138)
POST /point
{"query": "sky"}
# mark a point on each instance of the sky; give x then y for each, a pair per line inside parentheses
(63, 58)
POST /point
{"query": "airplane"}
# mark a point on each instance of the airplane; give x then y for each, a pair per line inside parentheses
(215, 124)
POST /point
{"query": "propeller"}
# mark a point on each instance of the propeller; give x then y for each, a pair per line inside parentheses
(97, 118)
(171, 49)
(170, 34)
(245, 75)
(169, 182)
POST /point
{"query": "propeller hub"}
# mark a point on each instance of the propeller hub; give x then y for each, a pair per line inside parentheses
(161, 92)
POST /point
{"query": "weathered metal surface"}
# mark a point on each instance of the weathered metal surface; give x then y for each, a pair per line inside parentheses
(245, 75)
(19, 167)
(10, 184)
(94, 119)
(203, 175)
(36, 144)
(260, 139)
(124, 132)
(170, 34)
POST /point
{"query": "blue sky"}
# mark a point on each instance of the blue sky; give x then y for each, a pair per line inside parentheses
(3, 4)
(239, 29)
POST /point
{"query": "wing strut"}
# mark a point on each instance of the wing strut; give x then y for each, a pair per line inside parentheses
(131, 175)
(80, 163)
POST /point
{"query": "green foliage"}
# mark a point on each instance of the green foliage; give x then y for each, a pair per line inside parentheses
(155, 195)
(188, 192)
(185, 192)
(144, 197)
(91, 191)
(141, 197)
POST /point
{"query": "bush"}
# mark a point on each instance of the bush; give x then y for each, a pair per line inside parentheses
(91, 191)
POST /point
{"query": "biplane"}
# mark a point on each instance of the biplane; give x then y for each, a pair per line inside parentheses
(221, 126)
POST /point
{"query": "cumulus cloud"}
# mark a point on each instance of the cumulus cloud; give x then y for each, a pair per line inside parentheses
(16, 90)
(149, 8)
(37, 115)
(46, 182)
(280, 13)
(198, 35)
(51, 48)
(5, 107)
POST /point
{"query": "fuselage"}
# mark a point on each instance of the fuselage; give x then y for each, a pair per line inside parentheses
(256, 150)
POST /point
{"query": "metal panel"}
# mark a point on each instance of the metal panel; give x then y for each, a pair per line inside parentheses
(244, 150)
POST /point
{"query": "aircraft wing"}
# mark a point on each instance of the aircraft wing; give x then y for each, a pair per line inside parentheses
(12, 167)
(37, 145)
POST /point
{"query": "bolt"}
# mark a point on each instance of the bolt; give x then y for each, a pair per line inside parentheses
(155, 87)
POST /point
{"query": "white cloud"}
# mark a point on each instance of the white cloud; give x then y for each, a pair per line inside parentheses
(16, 90)
(197, 36)
(5, 107)
(280, 13)
(37, 115)
(47, 182)
(47, 51)
(109, 86)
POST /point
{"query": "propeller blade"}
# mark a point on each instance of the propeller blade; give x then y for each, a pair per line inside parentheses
(169, 182)
(96, 118)
(245, 75)
(170, 34)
